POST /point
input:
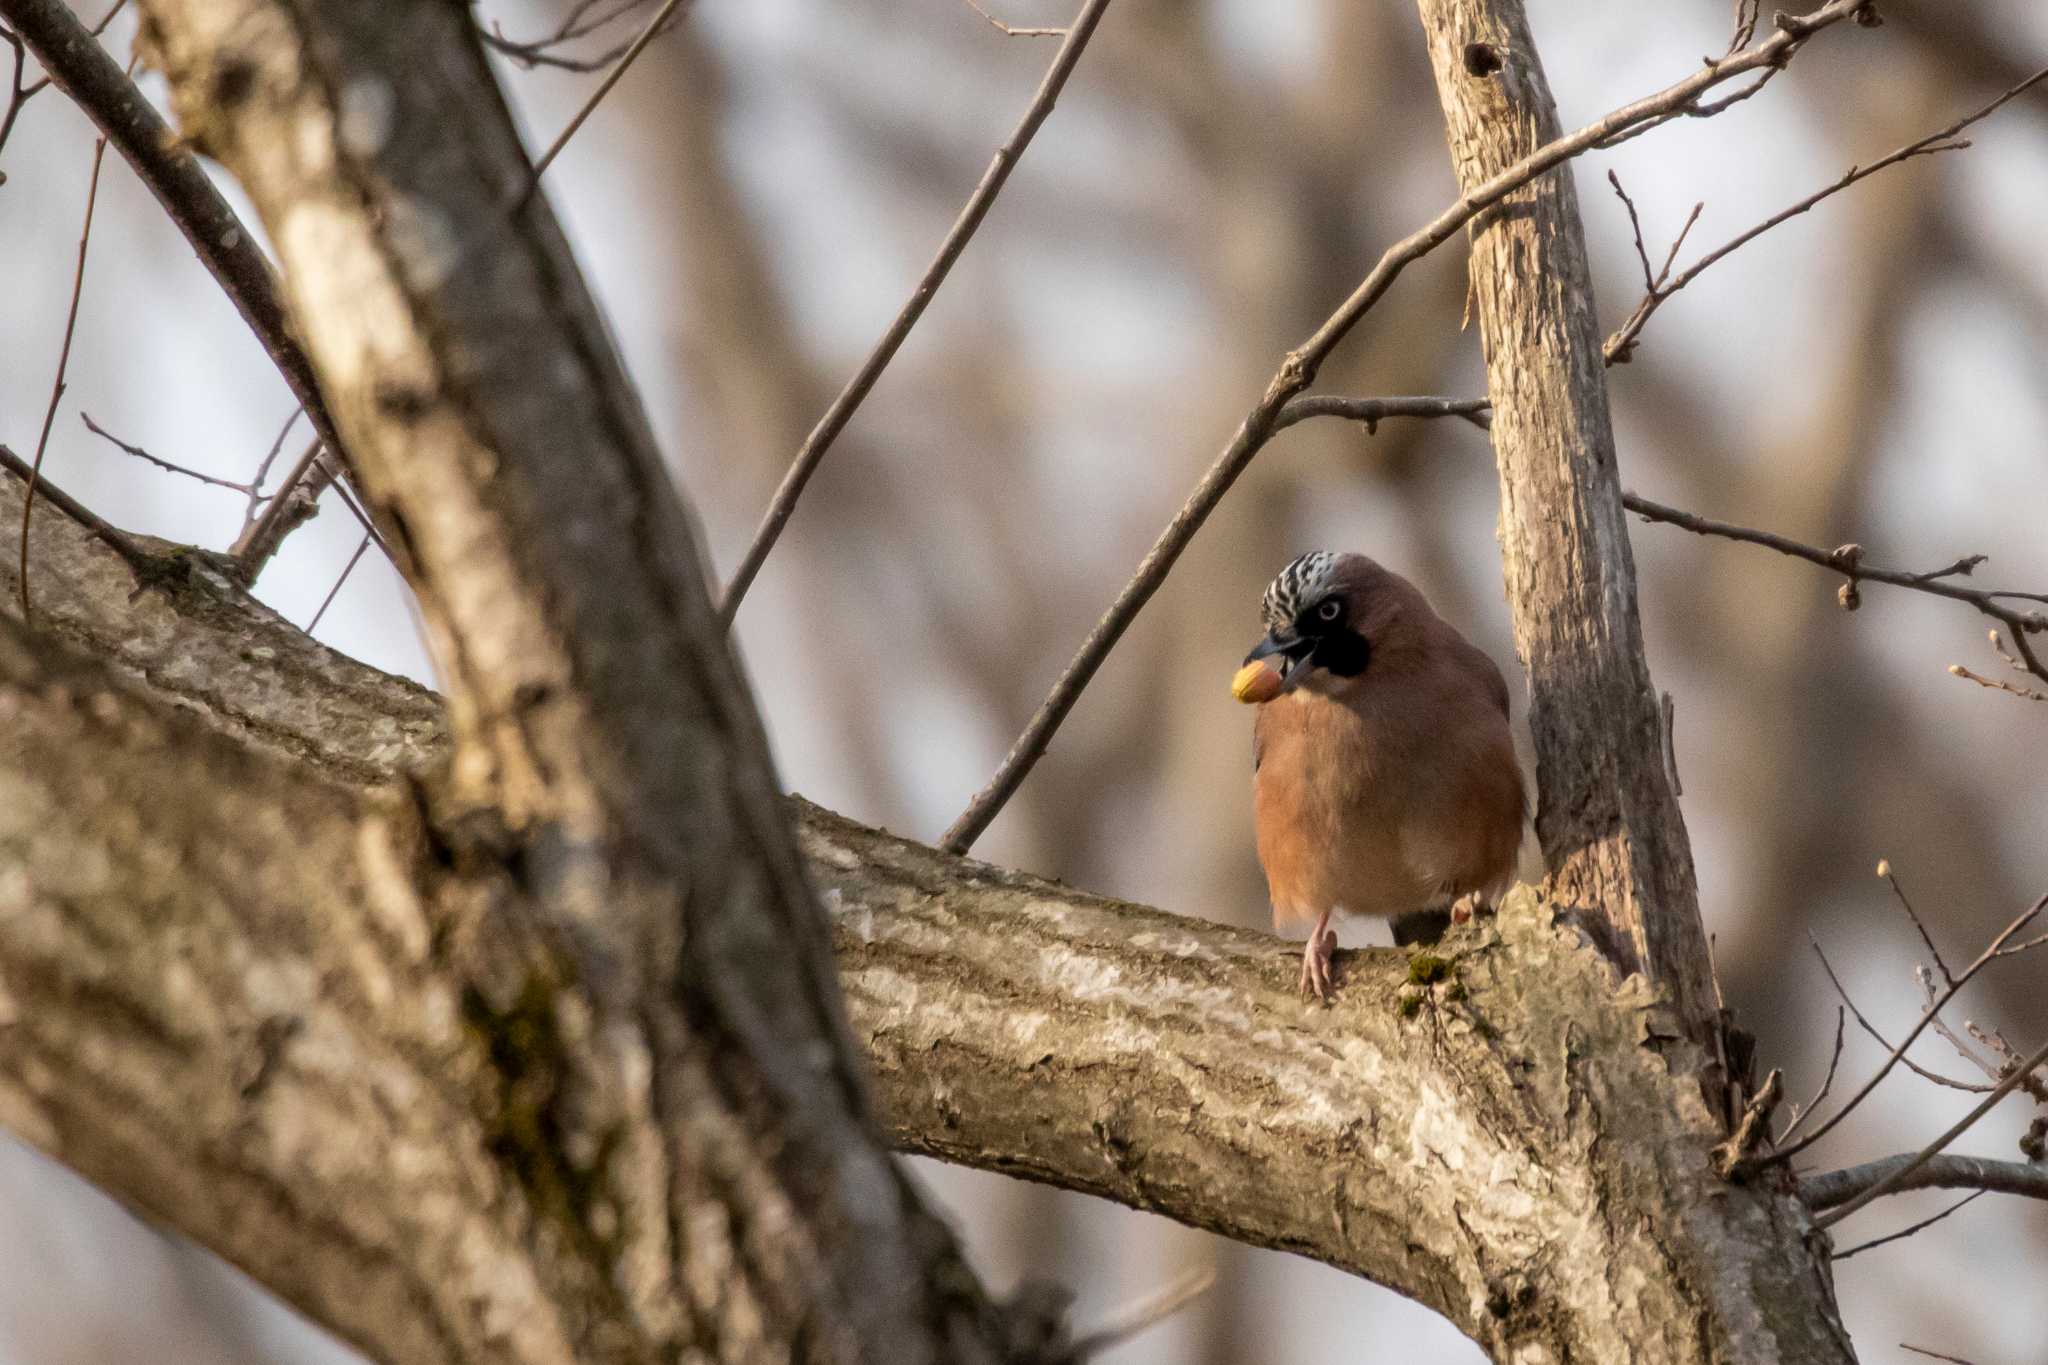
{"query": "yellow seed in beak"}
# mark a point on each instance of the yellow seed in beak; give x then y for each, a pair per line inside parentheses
(1255, 682)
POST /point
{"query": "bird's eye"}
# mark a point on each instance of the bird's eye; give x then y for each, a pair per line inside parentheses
(1330, 610)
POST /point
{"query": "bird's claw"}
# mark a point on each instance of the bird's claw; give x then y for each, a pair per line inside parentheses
(1316, 964)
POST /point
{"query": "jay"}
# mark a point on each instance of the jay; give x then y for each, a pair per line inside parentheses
(1384, 778)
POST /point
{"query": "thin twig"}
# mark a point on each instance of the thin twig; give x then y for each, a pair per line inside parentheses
(355, 510)
(28, 500)
(1619, 346)
(1933, 1149)
(574, 25)
(1373, 411)
(245, 489)
(1996, 684)
(1848, 560)
(1134, 1318)
(143, 562)
(1955, 1040)
(1884, 870)
(92, 80)
(1298, 370)
(1879, 1039)
(1932, 1355)
(256, 496)
(334, 591)
(655, 27)
(1827, 1083)
(2008, 1056)
(2024, 918)
(849, 399)
(1906, 1232)
(1011, 30)
(18, 96)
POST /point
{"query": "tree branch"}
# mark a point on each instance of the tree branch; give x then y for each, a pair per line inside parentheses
(1482, 1138)
(1848, 561)
(81, 68)
(1942, 1172)
(1621, 344)
(1298, 370)
(702, 1138)
(849, 399)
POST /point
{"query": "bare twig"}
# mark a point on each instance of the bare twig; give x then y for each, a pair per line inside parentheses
(291, 507)
(1128, 1321)
(1898, 1178)
(28, 500)
(80, 67)
(656, 26)
(143, 562)
(1903, 1233)
(335, 591)
(1879, 1038)
(1997, 684)
(256, 496)
(18, 95)
(1746, 15)
(584, 18)
(1990, 954)
(247, 490)
(1652, 282)
(1827, 1083)
(1884, 870)
(1622, 343)
(1848, 560)
(857, 388)
(1298, 370)
(1373, 411)
(2028, 1179)
(1011, 30)
(1932, 1355)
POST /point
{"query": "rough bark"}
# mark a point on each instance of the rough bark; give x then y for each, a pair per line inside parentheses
(538, 1055)
(1613, 840)
(699, 1130)
(1526, 1150)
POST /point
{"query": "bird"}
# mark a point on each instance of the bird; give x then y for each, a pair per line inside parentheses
(1384, 776)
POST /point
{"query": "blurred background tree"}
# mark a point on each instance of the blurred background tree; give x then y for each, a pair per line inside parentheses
(753, 202)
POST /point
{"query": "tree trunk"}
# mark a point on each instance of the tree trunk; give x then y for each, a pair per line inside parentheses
(1613, 840)
(678, 1106)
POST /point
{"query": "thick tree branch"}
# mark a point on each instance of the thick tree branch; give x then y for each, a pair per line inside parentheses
(706, 1144)
(1523, 1147)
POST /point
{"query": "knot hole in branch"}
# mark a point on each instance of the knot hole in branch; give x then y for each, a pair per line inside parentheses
(1482, 59)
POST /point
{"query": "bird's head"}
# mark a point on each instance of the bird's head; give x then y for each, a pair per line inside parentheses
(1322, 614)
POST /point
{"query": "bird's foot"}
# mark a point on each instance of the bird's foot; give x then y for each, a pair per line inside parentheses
(1316, 965)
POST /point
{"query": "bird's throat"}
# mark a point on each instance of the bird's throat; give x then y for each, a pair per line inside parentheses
(1345, 653)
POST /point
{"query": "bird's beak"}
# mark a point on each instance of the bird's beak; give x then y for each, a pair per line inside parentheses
(1270, 668)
